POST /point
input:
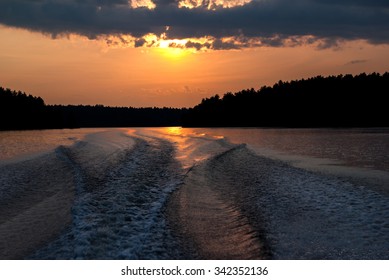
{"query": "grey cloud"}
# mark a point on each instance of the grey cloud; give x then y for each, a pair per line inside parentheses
(197, 45)
(357, 61)
(270, 22)
(218, 44)
(140, 42)
(351, 3)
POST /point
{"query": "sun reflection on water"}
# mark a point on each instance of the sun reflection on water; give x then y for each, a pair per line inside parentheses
(174, 130)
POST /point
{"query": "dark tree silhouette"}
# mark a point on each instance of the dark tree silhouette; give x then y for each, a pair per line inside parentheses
(102, 116)
(21, 111)
(334, 101)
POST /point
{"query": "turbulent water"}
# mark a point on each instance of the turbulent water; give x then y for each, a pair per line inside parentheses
(173, 193)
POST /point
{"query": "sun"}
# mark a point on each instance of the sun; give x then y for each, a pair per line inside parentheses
(173, 49)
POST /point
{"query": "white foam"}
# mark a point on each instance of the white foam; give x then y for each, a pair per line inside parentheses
(120, 216)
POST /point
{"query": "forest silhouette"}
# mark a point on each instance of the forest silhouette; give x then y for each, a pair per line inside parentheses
(21, 111)
(333, 101)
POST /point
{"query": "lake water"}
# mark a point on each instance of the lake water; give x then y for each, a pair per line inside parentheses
(179, 193)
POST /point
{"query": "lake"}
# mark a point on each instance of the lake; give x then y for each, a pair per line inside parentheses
(194, 193)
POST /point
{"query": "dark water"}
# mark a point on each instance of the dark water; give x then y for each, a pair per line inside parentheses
(367, 148)
(173, 193)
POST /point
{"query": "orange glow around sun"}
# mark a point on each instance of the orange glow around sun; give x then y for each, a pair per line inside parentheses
(173, 49)
(163, 71)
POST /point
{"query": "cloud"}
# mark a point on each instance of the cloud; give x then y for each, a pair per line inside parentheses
(356, 61)
(255, 23)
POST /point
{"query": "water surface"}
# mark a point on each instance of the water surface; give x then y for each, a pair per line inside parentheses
(180, 193)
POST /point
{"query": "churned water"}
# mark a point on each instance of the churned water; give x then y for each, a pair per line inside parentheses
(180, 193)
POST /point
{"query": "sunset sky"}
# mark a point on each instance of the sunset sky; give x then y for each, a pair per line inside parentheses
(174, 53)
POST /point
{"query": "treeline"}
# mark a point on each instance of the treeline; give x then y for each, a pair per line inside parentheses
(21, 111)
(334, 101)
(103, 116)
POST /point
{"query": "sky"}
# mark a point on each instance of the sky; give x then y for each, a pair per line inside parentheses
(173, 53)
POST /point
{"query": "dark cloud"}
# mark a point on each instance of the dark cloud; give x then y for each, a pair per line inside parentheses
(351, 3)
(140, 42)
(261, 22)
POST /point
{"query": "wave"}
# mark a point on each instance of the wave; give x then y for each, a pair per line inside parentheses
(295, 213)
(156, 194)
(209, 218)
(117, 212)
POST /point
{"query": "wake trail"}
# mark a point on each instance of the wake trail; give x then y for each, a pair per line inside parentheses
(302, 214)
(241, 205)
(120, 216)
(207, 215)
(149, 195)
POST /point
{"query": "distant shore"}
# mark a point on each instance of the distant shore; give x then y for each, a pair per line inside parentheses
(334, 101)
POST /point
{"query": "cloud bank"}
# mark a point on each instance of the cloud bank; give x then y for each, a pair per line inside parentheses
(205, 24)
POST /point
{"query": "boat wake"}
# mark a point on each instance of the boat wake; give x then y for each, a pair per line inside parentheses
(162, 194)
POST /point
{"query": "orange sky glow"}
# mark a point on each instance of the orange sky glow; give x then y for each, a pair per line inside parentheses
(75, 69)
